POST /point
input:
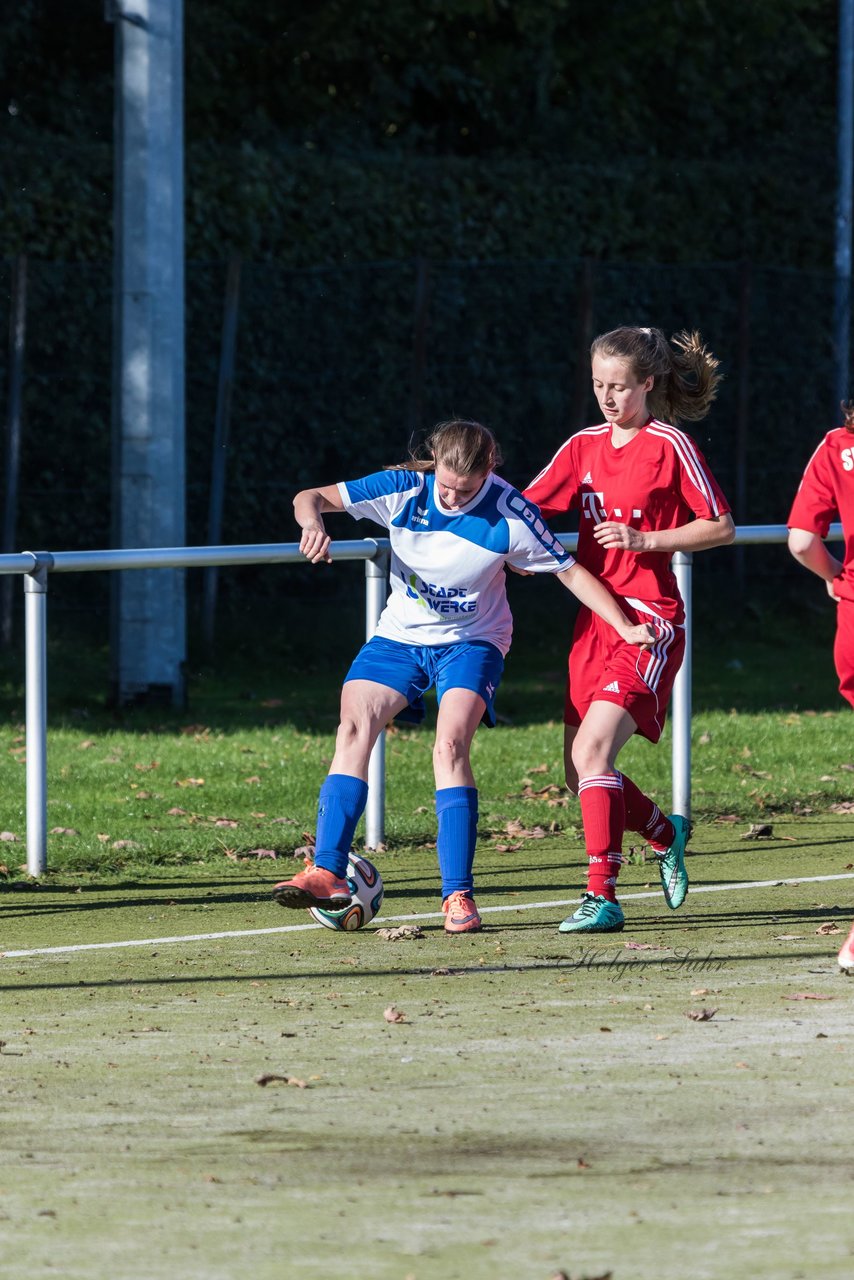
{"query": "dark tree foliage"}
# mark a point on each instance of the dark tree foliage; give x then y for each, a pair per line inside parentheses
(572, 78)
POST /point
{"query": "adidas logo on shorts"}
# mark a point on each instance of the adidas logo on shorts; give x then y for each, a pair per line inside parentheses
(613, 687)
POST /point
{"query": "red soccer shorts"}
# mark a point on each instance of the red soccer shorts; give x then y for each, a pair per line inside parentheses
(843, 649)
(603, 668)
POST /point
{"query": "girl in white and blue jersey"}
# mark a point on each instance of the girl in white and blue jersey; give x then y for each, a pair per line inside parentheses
(453, 525)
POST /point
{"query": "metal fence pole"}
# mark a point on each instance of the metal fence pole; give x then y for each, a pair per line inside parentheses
(680, 716)
(35, 619)
(376, 594)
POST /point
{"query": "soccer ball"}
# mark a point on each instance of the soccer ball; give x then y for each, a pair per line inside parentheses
(366, 889)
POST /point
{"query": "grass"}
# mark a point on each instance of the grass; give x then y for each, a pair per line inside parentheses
(545, 1106)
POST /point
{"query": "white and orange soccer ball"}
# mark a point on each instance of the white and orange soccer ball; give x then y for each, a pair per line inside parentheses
(366, 890)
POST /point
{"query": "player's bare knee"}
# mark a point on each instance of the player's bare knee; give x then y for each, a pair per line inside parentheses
(587, 758)
(448, 751)
(351, 733)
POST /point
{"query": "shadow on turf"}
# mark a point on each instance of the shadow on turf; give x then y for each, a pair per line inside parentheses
(580, 959)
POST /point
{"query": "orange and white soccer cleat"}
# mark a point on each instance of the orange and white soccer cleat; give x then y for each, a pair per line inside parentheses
(314, 887)
(461, 913)
(846, 954)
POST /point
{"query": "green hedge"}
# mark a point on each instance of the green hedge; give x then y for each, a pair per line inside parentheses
(306, 208)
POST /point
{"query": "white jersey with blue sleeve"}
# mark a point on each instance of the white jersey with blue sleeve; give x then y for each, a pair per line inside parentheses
(447, 567)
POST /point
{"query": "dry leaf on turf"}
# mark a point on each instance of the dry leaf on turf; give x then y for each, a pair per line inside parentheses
(828, 927)
(401, 933)
(807, 995)
(758, 831)
(270, 1078)
(391, 1014)
(701, 1015)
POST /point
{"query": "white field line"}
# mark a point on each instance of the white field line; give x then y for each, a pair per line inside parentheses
(425, 915)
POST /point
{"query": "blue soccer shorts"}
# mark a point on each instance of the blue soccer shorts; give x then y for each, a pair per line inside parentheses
(412, 669)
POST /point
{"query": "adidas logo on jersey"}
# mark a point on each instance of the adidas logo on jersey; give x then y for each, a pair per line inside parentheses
(588, 479)
(613, 687)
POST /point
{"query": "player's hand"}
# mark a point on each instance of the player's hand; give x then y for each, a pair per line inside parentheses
(611, 534)
(831, 591)
(315, 543)
(643, 634)
(523, 573)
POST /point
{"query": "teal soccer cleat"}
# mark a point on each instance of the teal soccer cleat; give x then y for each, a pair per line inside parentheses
(671, 865)
(595, 915)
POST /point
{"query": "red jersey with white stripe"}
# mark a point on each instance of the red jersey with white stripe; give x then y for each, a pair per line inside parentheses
(826, 494)
(658, 480)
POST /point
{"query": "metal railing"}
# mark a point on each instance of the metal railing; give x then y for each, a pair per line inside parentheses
(36, 567)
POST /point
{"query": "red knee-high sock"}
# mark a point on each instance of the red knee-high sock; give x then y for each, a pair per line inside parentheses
(644, 816)
(604, 818)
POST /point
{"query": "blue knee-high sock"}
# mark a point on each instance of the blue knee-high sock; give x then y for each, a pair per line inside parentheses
(456, 810)
(340, 805)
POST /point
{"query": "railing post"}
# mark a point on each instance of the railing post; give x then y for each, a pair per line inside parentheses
(35, 619)
(680, 715)
(376, 594)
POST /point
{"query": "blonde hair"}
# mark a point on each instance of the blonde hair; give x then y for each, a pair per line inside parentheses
(464, 447)
(685, 372)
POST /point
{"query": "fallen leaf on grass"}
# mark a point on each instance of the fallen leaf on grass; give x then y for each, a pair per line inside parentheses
(701, 1015)
(9, 836)
(63, 831)
(515, 828)
(807, 995)
(507, 848)
(188, 782)
(788, 937)
(727, 817)
(226, 822)
(844, 806)
(401, 933)
(828, 927)
(758, 831)
(643, 946)
(391, 1014)
(270, 1078)
(262, 853)
(126, 844)
(177, 812)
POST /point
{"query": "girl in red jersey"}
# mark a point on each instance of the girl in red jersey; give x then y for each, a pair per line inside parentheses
(825, 494)
(643, 491)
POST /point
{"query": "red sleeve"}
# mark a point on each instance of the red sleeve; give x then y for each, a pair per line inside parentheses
(693, 480)
(815, 506)
(555, 489)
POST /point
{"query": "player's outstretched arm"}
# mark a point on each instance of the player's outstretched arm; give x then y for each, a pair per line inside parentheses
(810, 551)
(589, 591)
(309, 504)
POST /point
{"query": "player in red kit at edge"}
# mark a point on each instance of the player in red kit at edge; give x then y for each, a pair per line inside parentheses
(643, 491)
(826, 493)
